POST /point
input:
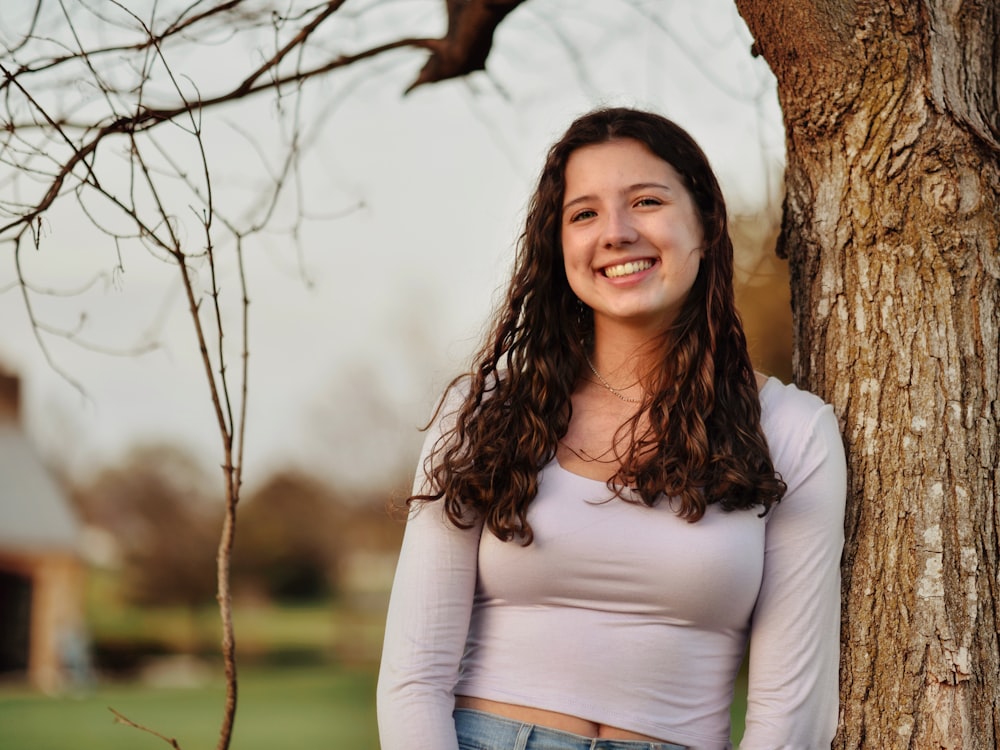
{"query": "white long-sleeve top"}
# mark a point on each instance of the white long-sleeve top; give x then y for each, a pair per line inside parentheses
(628, 615)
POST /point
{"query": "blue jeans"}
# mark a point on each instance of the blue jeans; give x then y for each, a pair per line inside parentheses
(478, 730)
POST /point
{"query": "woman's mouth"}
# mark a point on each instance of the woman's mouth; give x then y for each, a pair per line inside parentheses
(627, 269)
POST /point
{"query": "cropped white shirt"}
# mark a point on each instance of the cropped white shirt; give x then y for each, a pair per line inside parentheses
(627, 615)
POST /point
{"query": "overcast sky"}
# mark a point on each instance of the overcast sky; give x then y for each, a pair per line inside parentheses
(355, 329)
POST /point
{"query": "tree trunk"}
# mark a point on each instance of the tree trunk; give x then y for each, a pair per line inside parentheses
(892, 231)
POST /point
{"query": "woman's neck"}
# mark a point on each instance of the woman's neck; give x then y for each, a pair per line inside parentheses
(621, 363)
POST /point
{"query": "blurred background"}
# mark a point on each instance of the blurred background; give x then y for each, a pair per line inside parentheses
(368, 292)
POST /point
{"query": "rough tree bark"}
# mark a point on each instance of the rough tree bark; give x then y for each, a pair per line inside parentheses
(892, 230)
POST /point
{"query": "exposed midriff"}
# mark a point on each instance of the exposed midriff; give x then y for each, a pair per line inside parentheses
(551, 719)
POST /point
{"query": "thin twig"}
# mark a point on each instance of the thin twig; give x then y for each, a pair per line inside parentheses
(122, 719)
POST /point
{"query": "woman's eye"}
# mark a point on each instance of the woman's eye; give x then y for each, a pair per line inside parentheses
(649, 201)
(585, 214)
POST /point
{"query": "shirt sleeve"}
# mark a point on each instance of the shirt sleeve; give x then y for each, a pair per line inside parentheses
(427, 624)
(795, 630)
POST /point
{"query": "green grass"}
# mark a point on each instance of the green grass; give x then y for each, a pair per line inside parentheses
(289, 708)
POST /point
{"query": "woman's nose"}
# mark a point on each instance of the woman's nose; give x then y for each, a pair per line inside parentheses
(619, 229)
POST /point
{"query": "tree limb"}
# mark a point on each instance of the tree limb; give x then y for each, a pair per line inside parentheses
(468, 41)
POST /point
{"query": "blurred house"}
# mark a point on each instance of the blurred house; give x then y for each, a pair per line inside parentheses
(41, 570)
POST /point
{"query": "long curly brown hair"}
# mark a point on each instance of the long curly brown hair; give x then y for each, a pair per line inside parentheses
(700, 441)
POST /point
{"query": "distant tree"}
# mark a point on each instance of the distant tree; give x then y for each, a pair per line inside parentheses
(290, 540)
(155, 506)
(299, 535)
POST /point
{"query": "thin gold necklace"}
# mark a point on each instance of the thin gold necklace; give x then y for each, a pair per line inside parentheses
(608, 385)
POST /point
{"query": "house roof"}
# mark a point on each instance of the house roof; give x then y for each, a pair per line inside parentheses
(35, 514)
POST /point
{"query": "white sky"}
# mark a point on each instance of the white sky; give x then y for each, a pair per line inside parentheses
(354, 333)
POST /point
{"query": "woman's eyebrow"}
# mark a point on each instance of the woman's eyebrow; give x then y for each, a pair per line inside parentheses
(581, 199)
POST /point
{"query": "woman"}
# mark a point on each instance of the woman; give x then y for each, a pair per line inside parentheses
(595, 532)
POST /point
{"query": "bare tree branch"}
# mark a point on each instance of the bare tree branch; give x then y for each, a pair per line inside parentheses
(468, 41)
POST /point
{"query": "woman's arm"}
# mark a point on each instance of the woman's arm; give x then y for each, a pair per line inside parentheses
(795, 632)
(426, 626)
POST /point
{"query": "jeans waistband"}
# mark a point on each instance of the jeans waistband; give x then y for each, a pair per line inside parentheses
(479, 730)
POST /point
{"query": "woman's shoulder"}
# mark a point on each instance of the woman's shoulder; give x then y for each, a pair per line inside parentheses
(781, 401)
(795, 421)
(457, 391)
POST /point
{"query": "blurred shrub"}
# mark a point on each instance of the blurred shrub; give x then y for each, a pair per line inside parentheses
(288, 545)
(297, 540)
(166, 526)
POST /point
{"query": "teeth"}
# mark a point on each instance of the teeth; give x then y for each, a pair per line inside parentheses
(624, 269)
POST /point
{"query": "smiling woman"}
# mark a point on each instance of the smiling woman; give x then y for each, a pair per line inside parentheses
(595, 531)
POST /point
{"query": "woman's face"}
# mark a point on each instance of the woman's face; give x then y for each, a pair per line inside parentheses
(632, 239)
